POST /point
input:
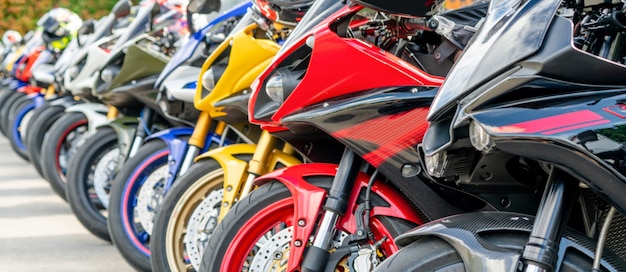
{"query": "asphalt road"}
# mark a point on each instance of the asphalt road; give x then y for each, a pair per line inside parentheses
(38, 231)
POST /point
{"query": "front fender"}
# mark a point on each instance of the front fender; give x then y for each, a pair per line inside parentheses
(236, 170)
(308, 201)
(125, 129)
(465, 233)
(96, 114)
(177, 147)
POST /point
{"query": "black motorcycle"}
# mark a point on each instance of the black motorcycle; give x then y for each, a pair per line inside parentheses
(535, 107)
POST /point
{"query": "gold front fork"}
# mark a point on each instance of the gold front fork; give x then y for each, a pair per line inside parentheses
(258, 164)
(50, 92)
(113, 113)
(201, 130)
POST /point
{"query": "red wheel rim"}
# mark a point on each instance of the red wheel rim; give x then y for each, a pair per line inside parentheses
(278, 212)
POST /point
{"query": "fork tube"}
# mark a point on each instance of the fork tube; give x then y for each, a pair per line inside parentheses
(540, 252)
(335, 206)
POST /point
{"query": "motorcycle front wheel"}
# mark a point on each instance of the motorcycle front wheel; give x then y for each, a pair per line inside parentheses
(177, 244)
(93, 168)
(5, 106)
(38, 126)
(256, 233)
(128, 218)
(61, 143)
(19, 115)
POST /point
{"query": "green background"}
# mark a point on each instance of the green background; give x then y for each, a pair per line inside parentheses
(22, 15)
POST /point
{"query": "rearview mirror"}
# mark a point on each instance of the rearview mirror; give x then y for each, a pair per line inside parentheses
(203, 6)
(121, 8)
(88, 27)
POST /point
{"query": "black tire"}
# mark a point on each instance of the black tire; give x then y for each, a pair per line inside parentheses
(134, 245)
(5, 94)
(203, 178)
(5, 109)
(80, 192)
(434, 254)
(42, 120)
(17, 125)
(62, 139)
(243, 218)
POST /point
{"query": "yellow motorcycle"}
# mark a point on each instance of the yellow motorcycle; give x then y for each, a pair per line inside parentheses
(222, 176)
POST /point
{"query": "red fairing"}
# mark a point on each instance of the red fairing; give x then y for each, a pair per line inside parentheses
(340, 66)
(309, 199)
(24, 72)
(398, 135)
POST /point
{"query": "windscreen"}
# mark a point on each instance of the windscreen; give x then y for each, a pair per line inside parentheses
(512, 31)
(319, 11)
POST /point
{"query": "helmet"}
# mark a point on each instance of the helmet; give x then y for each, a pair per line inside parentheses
(11, 37)
(59, 26)
(286, 12)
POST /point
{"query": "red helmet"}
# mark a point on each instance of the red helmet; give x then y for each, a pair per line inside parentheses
(286, 12)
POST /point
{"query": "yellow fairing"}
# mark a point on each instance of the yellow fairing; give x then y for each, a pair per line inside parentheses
(235, 170)
(248, 58)
(14, 56)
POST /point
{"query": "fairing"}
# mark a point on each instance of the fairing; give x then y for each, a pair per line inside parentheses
(493, 49)
(383, 70)
(247, 57)
(191, 47)
(584, 135)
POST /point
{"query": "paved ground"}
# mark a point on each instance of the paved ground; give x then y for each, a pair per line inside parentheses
(38, 231)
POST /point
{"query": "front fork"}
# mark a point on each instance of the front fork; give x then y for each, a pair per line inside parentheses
(182, 153)
(541, 251)
(335, 206)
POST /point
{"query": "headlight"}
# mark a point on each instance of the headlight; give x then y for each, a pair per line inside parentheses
(274, 88)
(107, 75)
(436, 164)
(208, 80)
(479, 138)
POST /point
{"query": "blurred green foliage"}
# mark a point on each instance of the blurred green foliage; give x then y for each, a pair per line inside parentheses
(22, 15)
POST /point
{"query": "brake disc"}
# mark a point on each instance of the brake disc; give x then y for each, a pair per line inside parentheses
(103, 174)
(273, 254)
(201, 225)
(72, 142)
(151, 196)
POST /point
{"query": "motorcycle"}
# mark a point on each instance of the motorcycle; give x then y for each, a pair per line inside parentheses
(191, 206)
(162, 154)
(80, 122)
(364, 188)
(543, 114)
(69, 87)
(81, 194)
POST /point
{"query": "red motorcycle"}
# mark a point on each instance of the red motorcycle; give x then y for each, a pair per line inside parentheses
(350, 90)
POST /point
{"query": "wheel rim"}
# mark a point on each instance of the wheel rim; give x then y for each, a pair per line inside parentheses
(104, 171)
(270, 226)
(150, 197)
(135, 232)
(178, 252)
(270, 220)
(202, 223)
(67, 145)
